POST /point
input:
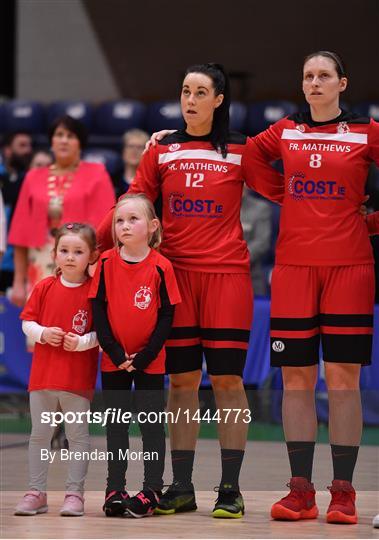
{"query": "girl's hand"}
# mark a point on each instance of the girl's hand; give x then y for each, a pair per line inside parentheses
(53, 336)
(125, 364)
(157, 136)
(128, 364)
(130, 367)
(70, 341)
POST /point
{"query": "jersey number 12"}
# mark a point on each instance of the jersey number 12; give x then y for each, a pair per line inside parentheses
(194, 180)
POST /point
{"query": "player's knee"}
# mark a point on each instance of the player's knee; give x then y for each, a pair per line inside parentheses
(304, 378)
(185, 381)
(227, 383)
(342, 376)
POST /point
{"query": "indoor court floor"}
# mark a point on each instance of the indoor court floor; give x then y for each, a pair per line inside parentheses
(264, 475)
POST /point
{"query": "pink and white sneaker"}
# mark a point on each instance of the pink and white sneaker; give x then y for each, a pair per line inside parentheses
(73, 504)
(32, 503)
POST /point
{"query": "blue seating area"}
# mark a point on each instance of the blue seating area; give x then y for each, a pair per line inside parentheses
(164, 115)
(81, 110)
(107, 121)
(261, 115)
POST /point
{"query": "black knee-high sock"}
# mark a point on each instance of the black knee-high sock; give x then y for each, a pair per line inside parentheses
(231, 461)
(182, 465)
(344, 460)
(300, 454)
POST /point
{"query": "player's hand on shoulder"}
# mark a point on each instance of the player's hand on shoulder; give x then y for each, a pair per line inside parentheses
(156, 137)
(53, 335)
(70, 341)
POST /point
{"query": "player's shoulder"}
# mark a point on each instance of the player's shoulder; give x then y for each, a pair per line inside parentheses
(178, 137)
(348, 117)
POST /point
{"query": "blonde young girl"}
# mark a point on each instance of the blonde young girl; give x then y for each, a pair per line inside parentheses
(58, 316)
(134, 292)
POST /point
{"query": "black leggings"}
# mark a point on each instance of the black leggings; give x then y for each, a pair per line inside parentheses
(149, 397)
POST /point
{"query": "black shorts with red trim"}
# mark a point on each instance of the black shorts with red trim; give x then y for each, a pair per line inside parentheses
(335, 304)
(212, 321)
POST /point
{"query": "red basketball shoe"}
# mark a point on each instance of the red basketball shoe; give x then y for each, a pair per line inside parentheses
(300, 503)
(342, 506)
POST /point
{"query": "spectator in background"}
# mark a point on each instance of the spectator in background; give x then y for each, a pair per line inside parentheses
(69, 190)
(41, 158)
(256, 225)
(134, 142)
(16, 155)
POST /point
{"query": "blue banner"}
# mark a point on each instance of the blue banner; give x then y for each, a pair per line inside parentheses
(15, 361)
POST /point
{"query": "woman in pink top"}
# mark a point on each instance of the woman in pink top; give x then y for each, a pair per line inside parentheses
(70, 190)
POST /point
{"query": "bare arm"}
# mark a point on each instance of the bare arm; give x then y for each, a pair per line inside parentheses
(19, 281)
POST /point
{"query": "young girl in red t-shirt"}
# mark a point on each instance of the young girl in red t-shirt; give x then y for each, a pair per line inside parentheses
(134, 292)
(58, 316)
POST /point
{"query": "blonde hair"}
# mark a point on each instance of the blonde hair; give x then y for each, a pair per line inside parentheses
(86, 233)
(148, 208)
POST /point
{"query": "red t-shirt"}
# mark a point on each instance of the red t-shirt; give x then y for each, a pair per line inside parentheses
(53, 368)
(325, 168)
(132, 293)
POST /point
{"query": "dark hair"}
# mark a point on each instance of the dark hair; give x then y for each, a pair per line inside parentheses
(338, 64)
(10, 137)
(221, 85)
(71, 124)
(86, 233)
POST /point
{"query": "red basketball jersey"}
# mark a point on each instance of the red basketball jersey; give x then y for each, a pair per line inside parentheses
(201, 194)
(325, 167)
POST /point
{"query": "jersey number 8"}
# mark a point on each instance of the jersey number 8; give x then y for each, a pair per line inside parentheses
(315, 161)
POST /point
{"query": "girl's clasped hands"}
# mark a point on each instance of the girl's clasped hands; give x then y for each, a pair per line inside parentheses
(54, 336)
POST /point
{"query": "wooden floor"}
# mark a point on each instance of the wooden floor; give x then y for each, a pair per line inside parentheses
(263, 479)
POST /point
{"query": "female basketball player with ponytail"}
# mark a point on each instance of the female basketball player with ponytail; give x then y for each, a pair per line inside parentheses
(199, 172)
(323, 281)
